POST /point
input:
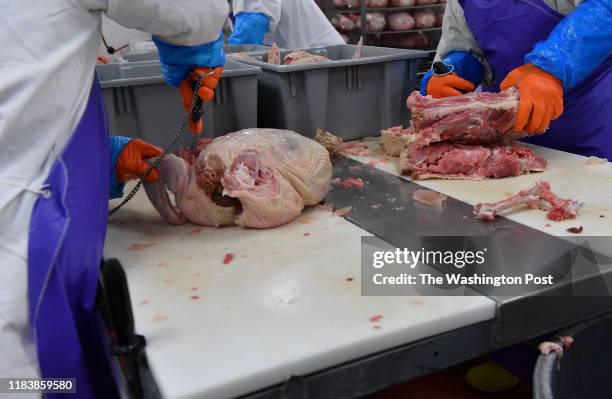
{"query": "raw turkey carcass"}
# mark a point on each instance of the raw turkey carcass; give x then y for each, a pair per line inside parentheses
(424, 19)
(256, 178)
(466, 137)
(400, 21)
(402, 3)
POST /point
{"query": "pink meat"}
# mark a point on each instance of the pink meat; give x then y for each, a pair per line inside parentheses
(254, 178)
(402, 3)
(346, 3)
(560, 209)
(424, 19)
(394, 139)
(375, 22)
(400, 21)
(471, 118)
(430, 198)
(473, 162)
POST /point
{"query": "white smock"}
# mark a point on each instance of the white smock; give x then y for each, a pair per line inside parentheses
(47, 64)
(293, 23)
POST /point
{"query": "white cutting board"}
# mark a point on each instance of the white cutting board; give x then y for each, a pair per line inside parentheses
(568, 174)
(282, 307)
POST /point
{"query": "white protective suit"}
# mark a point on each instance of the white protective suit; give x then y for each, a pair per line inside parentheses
(47, 64)
(293, 23)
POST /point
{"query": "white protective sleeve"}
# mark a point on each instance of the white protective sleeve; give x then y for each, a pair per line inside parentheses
(47, 64)
(181, 22)
(269, 8)
(457, 35)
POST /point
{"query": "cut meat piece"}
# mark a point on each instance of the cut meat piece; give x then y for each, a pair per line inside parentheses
(274, 55)
(303, 57)
(394, 139)
(359, 50)
(561, 209)
(254, 178)
(331, 143)
(458, 161)
(474, 118)
(430, 198)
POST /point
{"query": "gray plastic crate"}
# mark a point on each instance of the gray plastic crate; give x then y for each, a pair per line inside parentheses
(350, 98)
(228, 49)
(140, 104)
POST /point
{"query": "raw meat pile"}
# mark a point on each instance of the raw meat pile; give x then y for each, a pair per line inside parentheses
(466, 137)
(256, 178)
(299, 57)
(561, 209)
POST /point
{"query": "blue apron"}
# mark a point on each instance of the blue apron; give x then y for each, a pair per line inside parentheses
(66, 238)
(506, 31)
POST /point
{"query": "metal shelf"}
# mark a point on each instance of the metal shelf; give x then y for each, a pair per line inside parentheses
(385, 9)
(395, 32)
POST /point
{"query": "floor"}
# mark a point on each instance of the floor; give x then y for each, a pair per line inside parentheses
(448, 384)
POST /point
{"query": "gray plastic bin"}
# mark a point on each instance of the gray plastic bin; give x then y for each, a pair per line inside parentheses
(228, 49)
(350, 98)
(140, 104)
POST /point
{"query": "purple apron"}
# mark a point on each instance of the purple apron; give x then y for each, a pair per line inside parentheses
(506, 31)
(66, 238)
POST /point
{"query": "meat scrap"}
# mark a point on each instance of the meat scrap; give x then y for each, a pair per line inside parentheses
(595, 161)
(359, 50)
(575, 230)
(352, 182)
(331, 143)
(394, 139)
(343, 211)
(561, 209)
(430, 198)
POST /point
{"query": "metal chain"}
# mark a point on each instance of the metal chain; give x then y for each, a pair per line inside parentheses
(169, 148)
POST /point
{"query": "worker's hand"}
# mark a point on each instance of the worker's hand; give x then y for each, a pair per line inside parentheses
(448, 85)
(206, 92)
(132, 164)
(541, 98)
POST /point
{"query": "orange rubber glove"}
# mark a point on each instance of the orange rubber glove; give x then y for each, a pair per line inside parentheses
(541, 98)
(132, 164)
(448, 86)
(206, 92)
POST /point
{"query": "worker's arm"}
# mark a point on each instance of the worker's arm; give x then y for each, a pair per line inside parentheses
(179, 22)
(253, 19)
(128, 162)
(458, 48)
(577, 45)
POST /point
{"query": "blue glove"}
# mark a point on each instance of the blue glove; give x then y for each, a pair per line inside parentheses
(466, 67)
(116, 144)
(249, 28)
(177, 61)
(577, 45)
